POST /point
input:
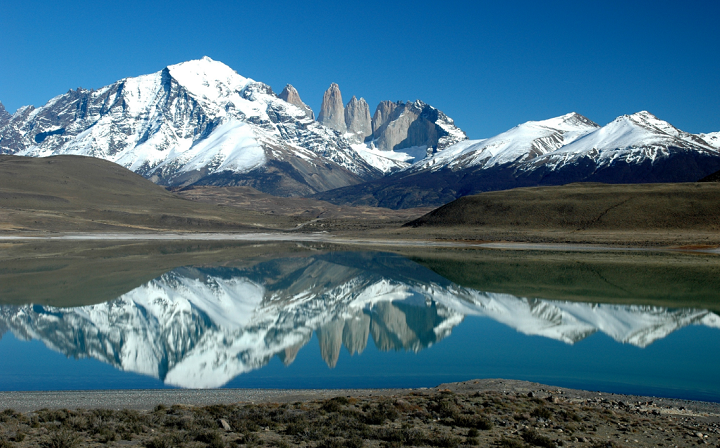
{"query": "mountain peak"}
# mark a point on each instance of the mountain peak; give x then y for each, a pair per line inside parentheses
(208, 79)
(571, 121)
(357, 119)
(4, 115)
(332, 112)
(291, 95)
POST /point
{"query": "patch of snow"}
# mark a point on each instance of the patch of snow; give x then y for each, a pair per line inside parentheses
(231, 146)
(385, 161)
(712, 138)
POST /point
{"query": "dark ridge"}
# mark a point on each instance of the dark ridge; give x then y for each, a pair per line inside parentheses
(714, 177)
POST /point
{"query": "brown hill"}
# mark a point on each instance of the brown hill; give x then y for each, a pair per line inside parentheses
(586, 206)
(75, 193)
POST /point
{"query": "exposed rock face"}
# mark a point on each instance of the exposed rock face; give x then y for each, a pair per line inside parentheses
(357, 119)
(332, 113)
(291, 95)
(4, 115)
(411, 124)
(382, 116)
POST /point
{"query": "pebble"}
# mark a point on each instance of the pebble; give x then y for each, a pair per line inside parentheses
(225, 425)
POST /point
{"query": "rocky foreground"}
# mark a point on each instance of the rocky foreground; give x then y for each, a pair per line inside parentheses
(474, 413)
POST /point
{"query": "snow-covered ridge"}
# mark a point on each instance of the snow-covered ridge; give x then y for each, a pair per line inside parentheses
(573, 140)
(520, 144)
(713, 138)
(196, 327)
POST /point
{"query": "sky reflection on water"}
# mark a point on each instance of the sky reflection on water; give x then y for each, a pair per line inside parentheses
(283, 323)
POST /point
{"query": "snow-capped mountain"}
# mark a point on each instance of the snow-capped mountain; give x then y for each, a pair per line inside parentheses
(198, 121)
(520, 144)
(712, 138)
(637, 148)
(201, 327)
(636, 139)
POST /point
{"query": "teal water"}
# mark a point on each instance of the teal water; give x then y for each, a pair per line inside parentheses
(352, 320)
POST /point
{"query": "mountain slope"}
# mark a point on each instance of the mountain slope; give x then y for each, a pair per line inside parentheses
(73, 193)
(198, 121)
(520, 144)
(586, 206)
(638, 148)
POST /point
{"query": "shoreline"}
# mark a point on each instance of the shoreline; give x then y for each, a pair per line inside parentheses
(148, 399)
(490, 412)
(324, 237)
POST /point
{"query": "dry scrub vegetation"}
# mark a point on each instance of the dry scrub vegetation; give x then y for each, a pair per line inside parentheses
(430, 418)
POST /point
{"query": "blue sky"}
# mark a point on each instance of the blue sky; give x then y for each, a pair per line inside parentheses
(488, 65)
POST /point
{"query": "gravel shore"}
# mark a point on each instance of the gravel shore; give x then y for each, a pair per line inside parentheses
(490, 412)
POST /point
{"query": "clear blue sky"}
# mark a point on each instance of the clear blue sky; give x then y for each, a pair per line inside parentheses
(488, 65)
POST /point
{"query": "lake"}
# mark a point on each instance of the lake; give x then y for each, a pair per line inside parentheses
(133, 316)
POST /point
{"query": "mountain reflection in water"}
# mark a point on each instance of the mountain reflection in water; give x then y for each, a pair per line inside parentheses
(201, 327)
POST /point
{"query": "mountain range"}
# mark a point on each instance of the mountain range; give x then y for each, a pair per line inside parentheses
(201, 123)
(201, 327)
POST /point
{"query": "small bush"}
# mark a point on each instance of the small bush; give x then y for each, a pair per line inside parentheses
(473, 421)
(106, 435)
(444, 441)
(331, 443)
(536, 439)
(160, 442)
(542, 412)
(570, 415)
(61, 439)
(378, 415)
(510, 443)
(331, 406)
(211, 438)
(281, 444)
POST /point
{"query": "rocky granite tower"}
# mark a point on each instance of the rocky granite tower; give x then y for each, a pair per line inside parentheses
(413, 124)
(291, 95)
(4, 115)
(357, 119)
(382, 116)
(332, 113)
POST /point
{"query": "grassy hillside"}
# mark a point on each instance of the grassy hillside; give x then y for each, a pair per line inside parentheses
(587, 206)
(74, 193)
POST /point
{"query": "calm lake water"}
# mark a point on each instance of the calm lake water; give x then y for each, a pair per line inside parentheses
(355, 320)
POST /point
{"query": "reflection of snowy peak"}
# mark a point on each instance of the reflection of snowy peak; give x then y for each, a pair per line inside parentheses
(571, 322)
(198, 120)
(196, 327)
